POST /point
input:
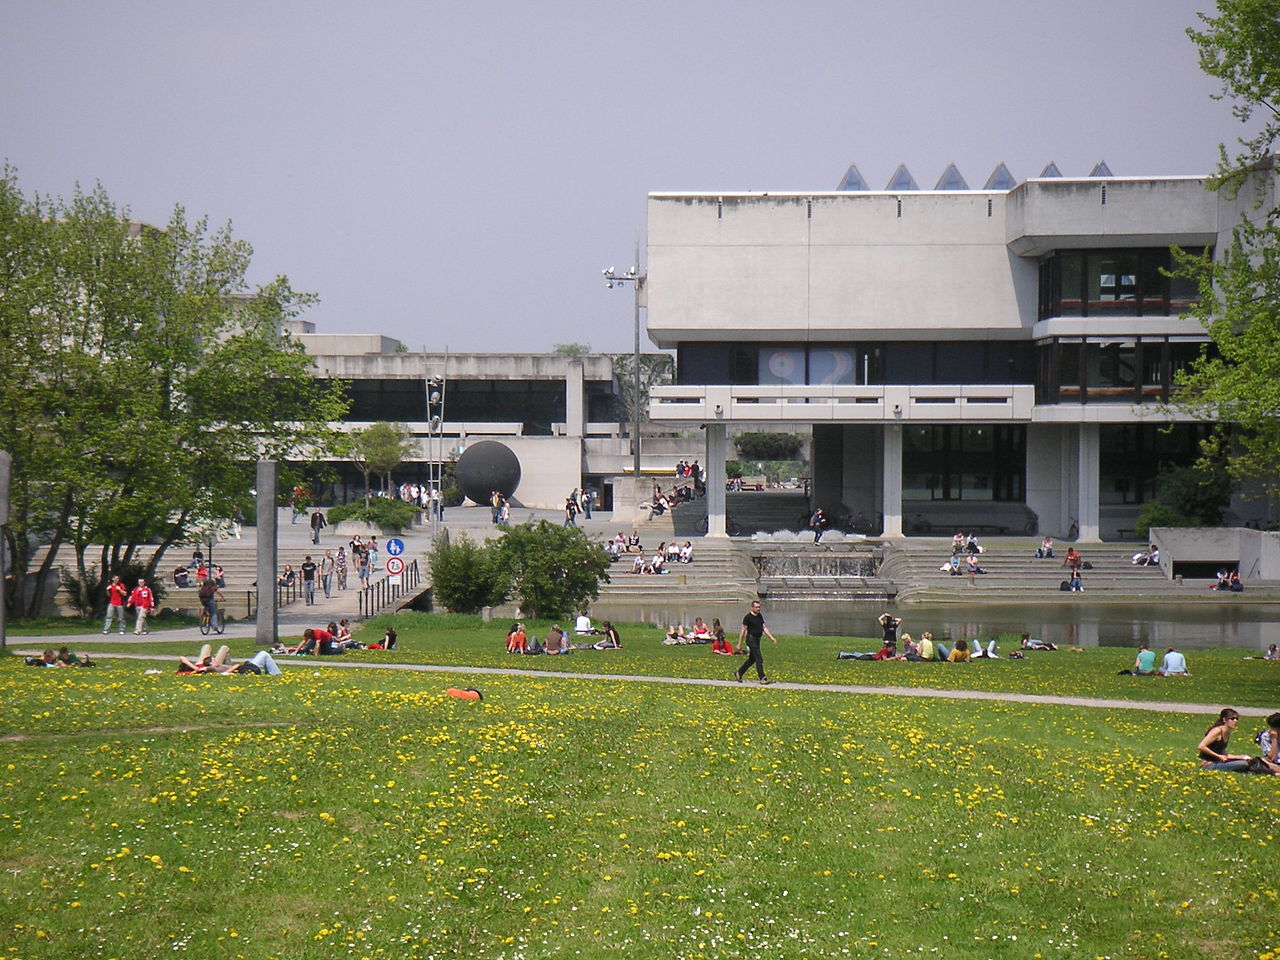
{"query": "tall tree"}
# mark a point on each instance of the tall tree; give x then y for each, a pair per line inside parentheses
(140, 377)
(656, 369)
(1238, 382)
(378, 449)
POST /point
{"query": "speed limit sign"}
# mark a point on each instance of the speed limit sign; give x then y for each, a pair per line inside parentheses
(395, 566)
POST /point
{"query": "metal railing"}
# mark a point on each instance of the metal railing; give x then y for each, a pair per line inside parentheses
(378, 596)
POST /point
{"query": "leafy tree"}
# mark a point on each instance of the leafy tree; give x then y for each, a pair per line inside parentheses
(1187, 497)
(140, 377)
(1238, 382)
(465, 575)
(572, 349)
(768, 446)
(379, 449)
(381, 511)
(552, 570)
(656, 369)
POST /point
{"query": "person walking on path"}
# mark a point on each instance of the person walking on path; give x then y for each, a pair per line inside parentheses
(309, 580)
(753, 631)
(117, 594)
(326, 573)
(144, 601)
(318, 523)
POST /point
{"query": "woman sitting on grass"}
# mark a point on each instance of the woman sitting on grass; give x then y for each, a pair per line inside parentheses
(556, 642)
(610, 640)
(960, 654)
(1213, 747)
(517, 642)
(719, 643)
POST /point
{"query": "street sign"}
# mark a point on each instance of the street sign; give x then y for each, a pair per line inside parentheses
(395, 547)
(395, 566)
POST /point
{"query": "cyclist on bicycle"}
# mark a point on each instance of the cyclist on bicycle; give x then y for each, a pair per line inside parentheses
(209, 595)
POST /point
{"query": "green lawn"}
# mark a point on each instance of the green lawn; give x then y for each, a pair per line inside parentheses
(348, 813)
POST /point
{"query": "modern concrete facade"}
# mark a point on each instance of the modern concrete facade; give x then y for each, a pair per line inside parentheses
(994, 359)
(561, 416)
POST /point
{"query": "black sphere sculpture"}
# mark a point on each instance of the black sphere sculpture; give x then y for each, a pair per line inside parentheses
(485, 467)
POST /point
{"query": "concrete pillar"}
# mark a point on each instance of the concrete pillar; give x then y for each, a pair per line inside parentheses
(892, 480)
(575, 407)
(717, 451)
(1088, 513)
(268, 539)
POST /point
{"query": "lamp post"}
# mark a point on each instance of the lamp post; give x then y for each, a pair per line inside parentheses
(636, 279)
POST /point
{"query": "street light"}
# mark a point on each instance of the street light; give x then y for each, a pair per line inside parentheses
(637, 280)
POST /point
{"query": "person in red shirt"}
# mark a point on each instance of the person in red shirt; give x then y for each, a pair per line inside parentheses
(144, 601)
(517, 642)
(117, 594)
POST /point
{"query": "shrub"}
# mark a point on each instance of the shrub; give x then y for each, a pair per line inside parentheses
(94, 602)
(552, 570)
(768, 446)
(464, 575)
(451, 495)
(379, 511)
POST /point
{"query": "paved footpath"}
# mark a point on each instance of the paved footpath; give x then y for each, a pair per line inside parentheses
(329, 663)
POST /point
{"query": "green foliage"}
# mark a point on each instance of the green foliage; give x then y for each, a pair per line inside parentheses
(768, 446)
(1187, 497)
(451, 495)
(379, 449)
(774, 471)
(465, 575)
(552, 570)
(86, 595)
(380, 511)
(656, 369)
(1239, 382)
(571, 349)
(140, 378)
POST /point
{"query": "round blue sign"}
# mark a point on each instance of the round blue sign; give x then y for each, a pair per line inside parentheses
(395, 547)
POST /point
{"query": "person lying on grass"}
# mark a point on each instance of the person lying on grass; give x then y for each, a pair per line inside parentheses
(1030, 643)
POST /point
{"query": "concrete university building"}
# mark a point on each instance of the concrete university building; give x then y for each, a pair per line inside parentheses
(562, 417)
(994, 359)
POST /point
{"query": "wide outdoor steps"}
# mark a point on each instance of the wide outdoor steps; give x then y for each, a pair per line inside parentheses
(1014, 573)
(721, 571)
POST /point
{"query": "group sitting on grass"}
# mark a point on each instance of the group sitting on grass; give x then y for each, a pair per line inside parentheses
(926, 650)
(558, 642)
(335, 640)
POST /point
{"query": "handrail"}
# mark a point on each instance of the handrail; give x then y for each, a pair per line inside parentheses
(386, 591)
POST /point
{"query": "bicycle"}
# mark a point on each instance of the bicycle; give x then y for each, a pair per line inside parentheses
(207, 624)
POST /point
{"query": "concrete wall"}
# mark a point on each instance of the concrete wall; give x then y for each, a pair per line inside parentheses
(834, 267)
(550, 467)
(1046, 496)
(863, 473)
(1256, 553)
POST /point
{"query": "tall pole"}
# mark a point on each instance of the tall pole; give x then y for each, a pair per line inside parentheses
(635, 427)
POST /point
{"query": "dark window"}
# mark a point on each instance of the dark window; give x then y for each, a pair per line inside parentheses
(537, 404)
(603, 404)
(1138, 370)
(964, 462)
(1132, 455)
(403, 401)
(1099, 283)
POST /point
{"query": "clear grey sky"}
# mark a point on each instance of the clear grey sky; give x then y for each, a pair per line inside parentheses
(458, 173)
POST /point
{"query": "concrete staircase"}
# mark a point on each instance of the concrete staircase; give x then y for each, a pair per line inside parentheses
(1014, 574)
(721, 571)
(836, 571)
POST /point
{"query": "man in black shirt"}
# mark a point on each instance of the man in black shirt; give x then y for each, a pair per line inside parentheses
(753, 631)
(309, 580)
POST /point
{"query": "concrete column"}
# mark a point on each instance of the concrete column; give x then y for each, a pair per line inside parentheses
(575, 407)
(268, 539)
(1088, 513)
(892, 480)
(717, 449)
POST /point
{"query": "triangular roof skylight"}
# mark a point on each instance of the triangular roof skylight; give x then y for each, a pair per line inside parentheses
(1000, 179)
(1100, 169)
(853, 179)
(1051, 170)
(902, 179)
(951, 179)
